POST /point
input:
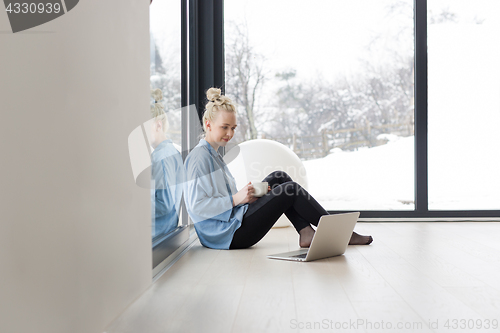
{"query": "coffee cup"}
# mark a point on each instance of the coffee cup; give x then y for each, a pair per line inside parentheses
(260, 188)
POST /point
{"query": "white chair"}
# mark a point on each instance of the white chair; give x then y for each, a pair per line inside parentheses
(253, 160)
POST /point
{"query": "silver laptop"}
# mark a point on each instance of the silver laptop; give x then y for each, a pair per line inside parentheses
(331, 238)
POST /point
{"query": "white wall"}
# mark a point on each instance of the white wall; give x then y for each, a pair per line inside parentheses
(75, 245)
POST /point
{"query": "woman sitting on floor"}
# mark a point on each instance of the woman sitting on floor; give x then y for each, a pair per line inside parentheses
(225, 218)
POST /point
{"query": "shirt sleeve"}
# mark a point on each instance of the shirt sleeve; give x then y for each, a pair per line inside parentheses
(169, 188)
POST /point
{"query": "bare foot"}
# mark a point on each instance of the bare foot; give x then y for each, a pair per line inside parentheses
(306, 236)
(357, 239)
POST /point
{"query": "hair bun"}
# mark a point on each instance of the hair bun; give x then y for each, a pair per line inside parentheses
(157, 95)
(216, 103)
(157, 108)
(213, 94)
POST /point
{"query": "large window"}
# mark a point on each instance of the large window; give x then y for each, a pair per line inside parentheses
(392, 105)
(464, 104)
(168, 223)
(333, 81)
(165, 68)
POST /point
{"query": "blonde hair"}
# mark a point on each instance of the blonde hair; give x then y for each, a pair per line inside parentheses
(157, 110)
(216, 102)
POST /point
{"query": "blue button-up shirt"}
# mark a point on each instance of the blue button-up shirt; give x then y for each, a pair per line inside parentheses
(168, 177)
(208, 194)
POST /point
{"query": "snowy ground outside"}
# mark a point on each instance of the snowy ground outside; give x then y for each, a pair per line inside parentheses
(379, 178)
(382, 178)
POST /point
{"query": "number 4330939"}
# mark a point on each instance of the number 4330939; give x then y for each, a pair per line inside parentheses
(33, 8)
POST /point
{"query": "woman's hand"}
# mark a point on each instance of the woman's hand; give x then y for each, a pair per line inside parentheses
(245, 195)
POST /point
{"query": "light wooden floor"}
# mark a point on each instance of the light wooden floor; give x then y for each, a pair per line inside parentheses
(413, 274)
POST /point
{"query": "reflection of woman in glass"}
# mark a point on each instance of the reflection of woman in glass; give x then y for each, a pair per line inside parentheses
(167, 172)
(226, 218)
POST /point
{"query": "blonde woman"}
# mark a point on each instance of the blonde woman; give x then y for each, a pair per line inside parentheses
(225, 218)
(167, 172)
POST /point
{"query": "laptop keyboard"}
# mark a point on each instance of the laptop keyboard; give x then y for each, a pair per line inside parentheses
(303, 255)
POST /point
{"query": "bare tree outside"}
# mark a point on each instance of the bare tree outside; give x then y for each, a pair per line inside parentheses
(318, 113)
(165, 75)
(245, 78)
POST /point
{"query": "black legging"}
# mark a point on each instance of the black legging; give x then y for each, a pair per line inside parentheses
(286, 196)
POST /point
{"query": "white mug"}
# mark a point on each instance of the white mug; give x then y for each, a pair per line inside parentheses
(260, 188)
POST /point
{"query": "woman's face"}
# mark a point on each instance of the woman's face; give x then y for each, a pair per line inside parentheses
(221, 130)
(156, 132)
